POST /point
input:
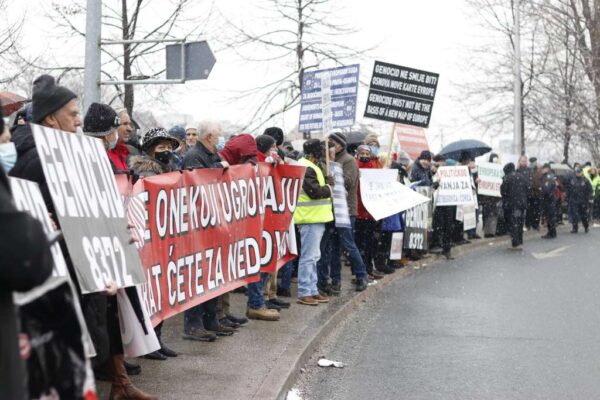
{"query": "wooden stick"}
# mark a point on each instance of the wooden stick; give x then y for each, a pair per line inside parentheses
(327, 155)
(388, 161)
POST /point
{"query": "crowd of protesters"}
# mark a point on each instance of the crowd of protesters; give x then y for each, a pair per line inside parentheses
(530, 196)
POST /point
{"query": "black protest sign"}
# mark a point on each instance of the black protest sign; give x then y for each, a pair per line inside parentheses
(401, 94)
(27, 197)
(417, 222)
(89, 209)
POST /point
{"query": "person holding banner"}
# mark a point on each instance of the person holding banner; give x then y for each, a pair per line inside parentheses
(514, 191)
(313, 211)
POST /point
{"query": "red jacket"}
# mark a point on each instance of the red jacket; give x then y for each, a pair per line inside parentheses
(118, 156)
(362, 211)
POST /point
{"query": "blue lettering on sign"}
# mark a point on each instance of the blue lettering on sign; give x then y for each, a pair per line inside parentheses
(344, 91)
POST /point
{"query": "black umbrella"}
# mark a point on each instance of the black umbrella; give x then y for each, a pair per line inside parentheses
(355, 137)
(475, 148)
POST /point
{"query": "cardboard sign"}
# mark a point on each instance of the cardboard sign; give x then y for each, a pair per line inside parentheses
(383, 195)
(209, 231)
(89, 209)
(469, 216)
(490, 176)
(397, 243)
(401, 94)
(412, 140)
(27, 197)
(416, 222)
(455, 186)
(329, 97)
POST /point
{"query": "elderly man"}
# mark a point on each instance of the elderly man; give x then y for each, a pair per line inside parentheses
(121, 152)
(205, 153)
(191, 136)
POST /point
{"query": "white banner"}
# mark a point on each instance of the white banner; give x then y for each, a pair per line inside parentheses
(382, 194)
(397, 244)
(490, 179)
(455, 186)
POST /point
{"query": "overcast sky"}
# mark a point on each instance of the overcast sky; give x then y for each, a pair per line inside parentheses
(432, 35)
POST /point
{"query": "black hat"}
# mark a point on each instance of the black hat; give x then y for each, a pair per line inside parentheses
(100, 120)
(338, 137)
(155, 135)
(264, 143)
(509, 168)
(276, 133)
(48, 97)
(425, 155)
(533, 159)
(177, 132)
(313, 147)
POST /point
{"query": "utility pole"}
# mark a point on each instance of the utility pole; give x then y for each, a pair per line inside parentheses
(518, 112)
(93, 33)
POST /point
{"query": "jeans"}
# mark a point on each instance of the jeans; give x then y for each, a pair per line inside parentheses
(310, 253)
(286, 275)
(256, 299)
(333, 242)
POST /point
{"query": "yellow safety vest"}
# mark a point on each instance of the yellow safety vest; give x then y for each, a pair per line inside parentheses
(313, 211)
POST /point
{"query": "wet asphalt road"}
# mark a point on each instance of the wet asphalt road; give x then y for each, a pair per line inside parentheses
(492, 325)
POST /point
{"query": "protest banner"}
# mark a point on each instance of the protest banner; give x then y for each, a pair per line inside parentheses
(401, 94)
(208, 231)
(412, 139)
(332, 92)
(382, 194)
(455, 186)
(27, 197)
(54, 342)
(469, 215)
(89, 209)
(490, 179)
(417, 222)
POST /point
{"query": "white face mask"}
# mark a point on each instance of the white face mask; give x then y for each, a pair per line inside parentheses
(8, 156)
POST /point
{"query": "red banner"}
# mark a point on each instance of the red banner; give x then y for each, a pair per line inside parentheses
(205, 232)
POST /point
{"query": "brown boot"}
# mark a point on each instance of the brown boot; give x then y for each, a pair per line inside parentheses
(122, 388)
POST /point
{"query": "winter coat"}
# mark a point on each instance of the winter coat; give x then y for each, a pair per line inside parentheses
(312, 188)
(514, 191)
(421, 175)
(362, 213)
(147, 166)
(528, 174)
(118, 157)
(580, 190)
(238, 148)
(25, 262)
(548, 187)
(200, 157)
(351, 173)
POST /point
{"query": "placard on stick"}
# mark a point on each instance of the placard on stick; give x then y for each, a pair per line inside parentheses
(401, 94)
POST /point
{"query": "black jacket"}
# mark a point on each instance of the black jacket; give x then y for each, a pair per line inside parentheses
(420, 174)
(25, 262)
(580, 190)
(199, 157)
(514, 191)
(549, 187)
(312, 188)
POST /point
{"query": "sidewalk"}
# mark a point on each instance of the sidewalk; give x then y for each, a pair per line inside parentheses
(262, 359)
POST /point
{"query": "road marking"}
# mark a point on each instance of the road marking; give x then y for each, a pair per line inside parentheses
(550, 254)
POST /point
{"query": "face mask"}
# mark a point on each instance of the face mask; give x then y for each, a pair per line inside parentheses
(221, 143)
(374, 150)
(8, 156)
(364, 160)
(163, 157)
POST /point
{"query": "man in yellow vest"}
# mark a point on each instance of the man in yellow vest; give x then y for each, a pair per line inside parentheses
(313, 211)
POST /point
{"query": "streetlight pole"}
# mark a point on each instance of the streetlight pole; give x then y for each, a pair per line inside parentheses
(518, 135)
(93, 33)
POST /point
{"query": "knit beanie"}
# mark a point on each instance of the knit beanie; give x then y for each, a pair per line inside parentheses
(264, 143)
(177, 132)
(338, 137)
(276, 133)
(48, 97)
(100, 120)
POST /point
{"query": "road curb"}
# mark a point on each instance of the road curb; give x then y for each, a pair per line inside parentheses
(287, 367)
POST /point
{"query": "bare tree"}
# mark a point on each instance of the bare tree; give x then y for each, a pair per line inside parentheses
(298, 35)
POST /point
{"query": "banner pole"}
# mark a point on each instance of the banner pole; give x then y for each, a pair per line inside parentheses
(388, 161)
(327, 155)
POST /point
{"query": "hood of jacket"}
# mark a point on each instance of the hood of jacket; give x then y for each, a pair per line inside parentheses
(23, 138)
(238, 147)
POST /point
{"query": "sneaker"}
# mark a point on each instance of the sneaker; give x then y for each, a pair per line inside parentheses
(336, 288)
(220, 330)
(361, 284)
(321, 299)
(280, 303)
(200, 335)
(284, 292)
(237, 320)
(308, 301)
(263, 314)
(229, 323)
(272, 306)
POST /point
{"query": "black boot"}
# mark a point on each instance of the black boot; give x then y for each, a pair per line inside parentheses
(575, 228)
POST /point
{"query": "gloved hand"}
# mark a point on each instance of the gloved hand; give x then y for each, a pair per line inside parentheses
(329, 180)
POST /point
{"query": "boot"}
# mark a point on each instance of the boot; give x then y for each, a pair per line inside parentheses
(575, 228)
(122, 388)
